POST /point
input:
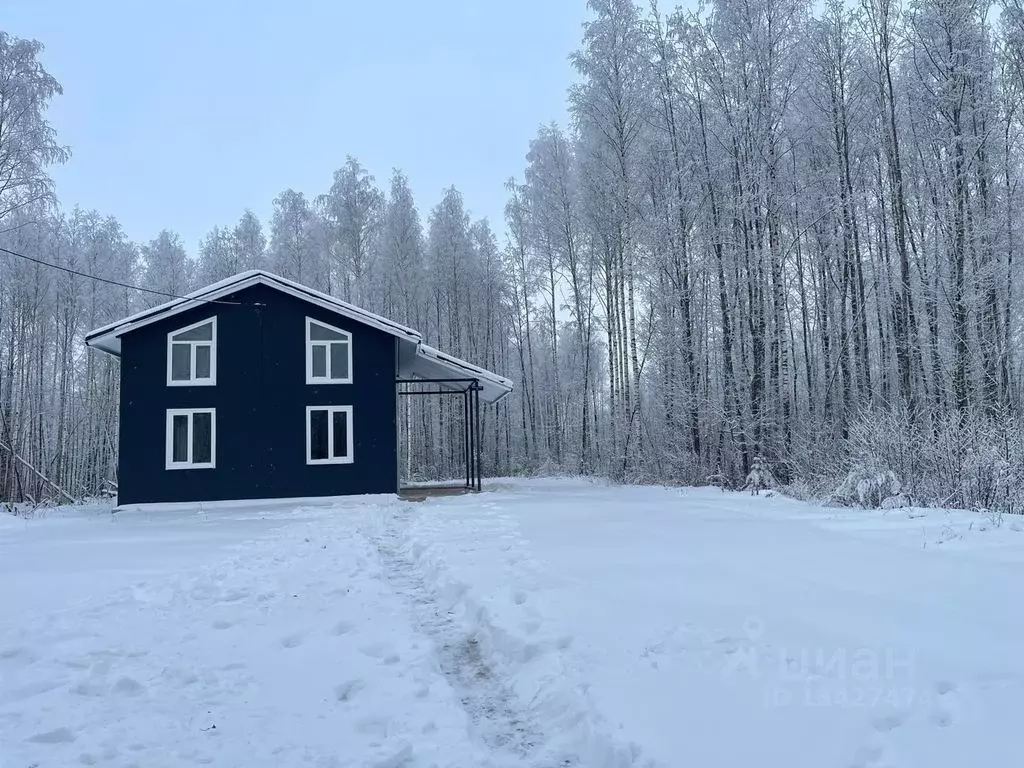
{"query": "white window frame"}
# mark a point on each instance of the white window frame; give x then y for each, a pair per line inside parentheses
(209, 381)
(310, 343)
(169, 444)
(331, 410)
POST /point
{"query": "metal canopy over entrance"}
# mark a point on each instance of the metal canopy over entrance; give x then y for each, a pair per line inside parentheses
(423, 363)
(424, 371)
(470, 389)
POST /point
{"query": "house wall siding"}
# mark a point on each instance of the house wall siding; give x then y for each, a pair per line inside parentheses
(261, 397)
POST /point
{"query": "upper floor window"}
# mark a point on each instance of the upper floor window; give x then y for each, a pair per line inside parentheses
(328, 354)
(192, 354)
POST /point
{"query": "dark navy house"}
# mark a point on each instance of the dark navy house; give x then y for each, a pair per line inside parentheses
(259, 387)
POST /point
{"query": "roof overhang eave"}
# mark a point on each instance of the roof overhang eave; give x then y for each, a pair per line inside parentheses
(431, 364)
(106, 342)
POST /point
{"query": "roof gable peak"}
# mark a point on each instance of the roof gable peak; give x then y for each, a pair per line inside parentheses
(108, 337)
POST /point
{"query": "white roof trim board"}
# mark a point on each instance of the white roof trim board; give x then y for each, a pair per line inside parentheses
(426, 363)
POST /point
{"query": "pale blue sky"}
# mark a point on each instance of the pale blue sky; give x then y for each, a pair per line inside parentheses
(182, 113)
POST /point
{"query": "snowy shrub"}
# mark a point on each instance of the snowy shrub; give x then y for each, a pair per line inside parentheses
(817, 460)
(898, 501)
(846, 493)
(872, 491)
(978, 462)
(995, 516)
(28, 509)
(967, 461)
(760, 477)
(548, 468)
(866, 488)
(718, 479)
(887, 441)
(799, 489)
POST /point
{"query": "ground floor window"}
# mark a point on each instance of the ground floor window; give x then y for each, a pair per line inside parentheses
(329, 434)
(191, 438)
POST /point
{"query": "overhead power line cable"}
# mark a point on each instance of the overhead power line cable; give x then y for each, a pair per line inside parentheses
(114, 282)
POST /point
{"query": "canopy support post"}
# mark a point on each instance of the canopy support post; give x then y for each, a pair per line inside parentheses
(478, 441)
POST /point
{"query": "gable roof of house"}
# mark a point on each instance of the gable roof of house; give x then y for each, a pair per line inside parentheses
(416, 359)
(108, 337)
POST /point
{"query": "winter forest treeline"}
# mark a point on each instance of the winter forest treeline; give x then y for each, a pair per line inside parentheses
(774, 232)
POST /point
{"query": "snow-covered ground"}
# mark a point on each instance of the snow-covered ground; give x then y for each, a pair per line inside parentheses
(544, 623)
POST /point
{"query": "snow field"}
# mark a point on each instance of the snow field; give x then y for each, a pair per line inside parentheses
(545, 623)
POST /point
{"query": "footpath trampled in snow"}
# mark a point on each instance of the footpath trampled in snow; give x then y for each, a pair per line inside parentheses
(544, 623)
